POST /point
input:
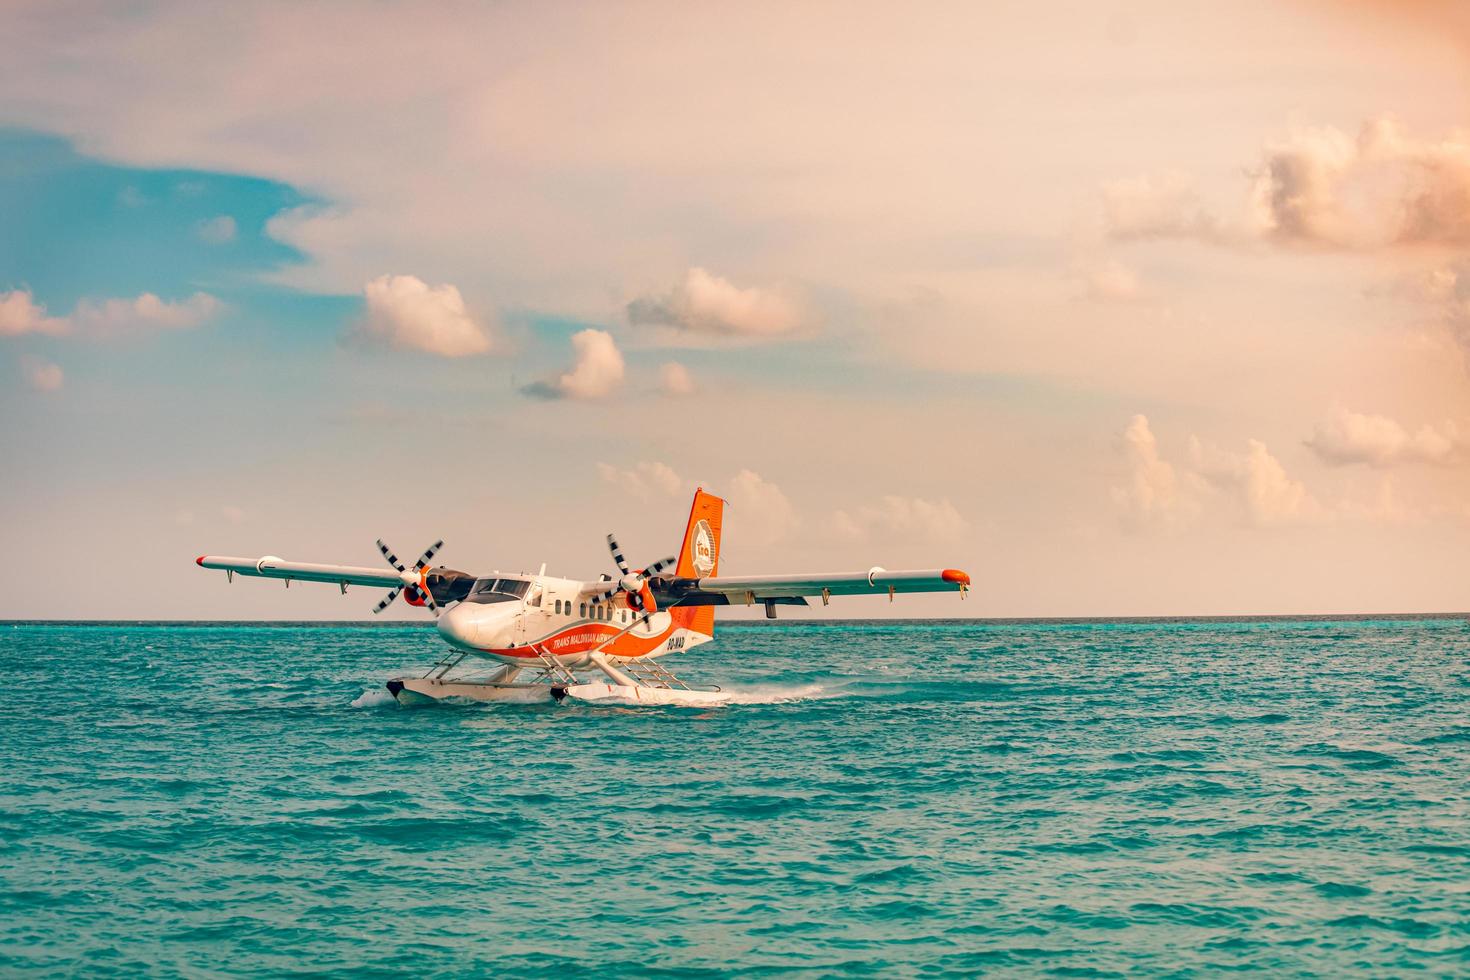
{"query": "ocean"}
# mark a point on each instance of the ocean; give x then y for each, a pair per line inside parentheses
(892, 798)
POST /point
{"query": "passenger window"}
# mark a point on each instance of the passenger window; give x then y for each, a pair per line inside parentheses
(582, 609)
(558, 607)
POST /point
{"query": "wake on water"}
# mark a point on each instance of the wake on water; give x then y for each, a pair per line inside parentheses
(779, 693)
(376, 697)
(865, 687)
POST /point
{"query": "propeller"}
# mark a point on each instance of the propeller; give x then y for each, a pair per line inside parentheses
(413, 579)
(634, 584)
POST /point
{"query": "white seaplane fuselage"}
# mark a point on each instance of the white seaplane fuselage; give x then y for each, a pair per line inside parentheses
(556, 618)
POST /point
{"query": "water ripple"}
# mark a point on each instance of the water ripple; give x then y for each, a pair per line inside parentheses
(1068, 799)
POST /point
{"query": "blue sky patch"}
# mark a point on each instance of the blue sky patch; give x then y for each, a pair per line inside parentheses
(75, 227)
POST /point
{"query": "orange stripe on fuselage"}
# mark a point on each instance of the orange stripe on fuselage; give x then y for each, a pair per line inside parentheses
(585, 636)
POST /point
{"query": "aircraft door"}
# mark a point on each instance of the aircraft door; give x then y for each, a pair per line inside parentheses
(532, 622)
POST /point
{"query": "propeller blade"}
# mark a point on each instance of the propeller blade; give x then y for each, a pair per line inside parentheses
(652, 570)
(606, 595)
(387, 600)
(617, 553)
(428, 555)
(418, 566)
(388, 554)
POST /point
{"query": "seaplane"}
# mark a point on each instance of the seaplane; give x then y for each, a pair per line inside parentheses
(537, 637)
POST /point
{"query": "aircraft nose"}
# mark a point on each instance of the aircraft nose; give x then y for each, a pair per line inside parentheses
(459, 626)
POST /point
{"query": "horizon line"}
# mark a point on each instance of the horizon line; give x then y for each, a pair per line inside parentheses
(1147, 618)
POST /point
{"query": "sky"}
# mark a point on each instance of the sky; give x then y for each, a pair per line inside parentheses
(1126, 308)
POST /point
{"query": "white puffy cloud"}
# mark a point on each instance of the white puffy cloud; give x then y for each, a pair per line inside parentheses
(761, 513)
(1318, 187)
(675, 379)
(645, 480)
(1258, 482)
(900, 517)
(217, 230)
(1383, 188)
(703, 303)
(1381, 192)
(144, 312)
(1346, 437)
(1153, 493)
(20, 313)
(1253, 484)
(407, 313)
(42, 375)
(596, 372)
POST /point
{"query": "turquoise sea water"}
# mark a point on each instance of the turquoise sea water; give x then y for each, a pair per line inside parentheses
(1073, 799)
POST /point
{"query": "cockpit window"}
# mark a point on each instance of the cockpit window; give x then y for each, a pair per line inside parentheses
(498, 590)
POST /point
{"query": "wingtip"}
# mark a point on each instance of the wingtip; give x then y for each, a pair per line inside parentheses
(200, 561)
(956, 576)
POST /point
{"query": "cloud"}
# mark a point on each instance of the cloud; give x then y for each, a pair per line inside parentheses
(20, 314)
(674, 379)
(407, 313)
(1153, 493)
(218, 230)
(596, 372)
(143, 312)
(1295, 192)
(703, 303)
(1165, 205)
(1258, 482)
(901, 517)
(644, 480)
(1254, 484)
(762, 514)
(1317, 187)
(1445, 290)
(41, 375)
(1347, 438)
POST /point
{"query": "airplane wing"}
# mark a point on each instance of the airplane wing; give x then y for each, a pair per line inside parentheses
(785, 589)
(272, 567)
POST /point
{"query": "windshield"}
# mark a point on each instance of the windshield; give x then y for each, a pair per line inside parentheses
(498, 590)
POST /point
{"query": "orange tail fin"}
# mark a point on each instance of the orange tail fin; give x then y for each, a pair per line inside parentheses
(700, 557)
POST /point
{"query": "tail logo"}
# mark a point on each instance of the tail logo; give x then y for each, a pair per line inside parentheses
(704, 549)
